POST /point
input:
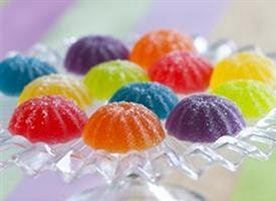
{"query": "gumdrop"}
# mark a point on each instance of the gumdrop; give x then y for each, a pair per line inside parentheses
(156, 44)
(182, 72)
(204, 118)
(156, 97)
(246, 65)
(106, 78)
(17, 71)
(122, 127)
(64, 85)
(254, 98)
(92, 50)
(49, 119)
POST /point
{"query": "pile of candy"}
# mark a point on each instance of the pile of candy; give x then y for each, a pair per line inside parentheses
(141, 87)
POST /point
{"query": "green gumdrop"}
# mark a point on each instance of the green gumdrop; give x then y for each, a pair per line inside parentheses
(254, 98)
(106, 78)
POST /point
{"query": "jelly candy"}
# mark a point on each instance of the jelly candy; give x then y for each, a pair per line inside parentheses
(254, 98)
(92, 50)
(122, 127)
(246, 65)
(49, 119)
(204, 118)
(155, 44)
(106, 78)
(155, 97)
(64, 85)
(18, 71)
(183, 72)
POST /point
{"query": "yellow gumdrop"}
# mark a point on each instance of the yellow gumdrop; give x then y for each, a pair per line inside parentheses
(67, 86)
(245, 65)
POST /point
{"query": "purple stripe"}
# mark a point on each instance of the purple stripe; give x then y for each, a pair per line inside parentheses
(23, 23)
(189, 16)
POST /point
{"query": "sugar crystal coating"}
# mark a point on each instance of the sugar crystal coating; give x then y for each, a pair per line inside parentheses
(245, 65)
(92, 50)
(156, 97)
(182, 71)
(155, 44)
(254, 98)
(106, 78)
(122, 127)
(49, 119)
(204, 118)
(17, 71)
(64, 85)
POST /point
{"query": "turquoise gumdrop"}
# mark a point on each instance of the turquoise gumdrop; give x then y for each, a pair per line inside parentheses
(17, 71)
(156, 97)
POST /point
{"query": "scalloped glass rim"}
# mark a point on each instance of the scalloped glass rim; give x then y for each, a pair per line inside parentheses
(75, 159)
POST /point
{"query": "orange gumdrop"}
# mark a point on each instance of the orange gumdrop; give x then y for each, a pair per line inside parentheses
(121, 127)
(155, 44)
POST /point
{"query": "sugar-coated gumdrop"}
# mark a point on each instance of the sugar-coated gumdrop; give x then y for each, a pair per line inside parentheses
(106, 78)
(155, 44)
(182, 71)
(64, 85)
(246, 65)
(18, 71)
(92, 50)
(122, 127)
(155, 97)
(254, 98)
(204, 118)
(49, 119)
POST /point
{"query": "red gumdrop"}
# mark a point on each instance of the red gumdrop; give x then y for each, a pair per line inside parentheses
(49, 119)
(182, 71)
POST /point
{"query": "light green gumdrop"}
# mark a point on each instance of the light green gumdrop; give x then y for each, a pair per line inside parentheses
(254, 98)
(106, 78)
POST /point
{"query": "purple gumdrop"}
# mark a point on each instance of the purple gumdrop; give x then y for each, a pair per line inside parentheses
(92, 50)
(204, 118)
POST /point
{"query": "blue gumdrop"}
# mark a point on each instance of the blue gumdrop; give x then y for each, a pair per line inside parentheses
(16, 72)
(158, 98)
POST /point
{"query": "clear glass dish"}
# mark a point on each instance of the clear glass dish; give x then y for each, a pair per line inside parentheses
(136, 175)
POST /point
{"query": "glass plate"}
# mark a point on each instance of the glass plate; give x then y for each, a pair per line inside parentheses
(136, 173)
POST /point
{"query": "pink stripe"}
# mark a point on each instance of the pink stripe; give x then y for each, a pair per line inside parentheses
(23, 23)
